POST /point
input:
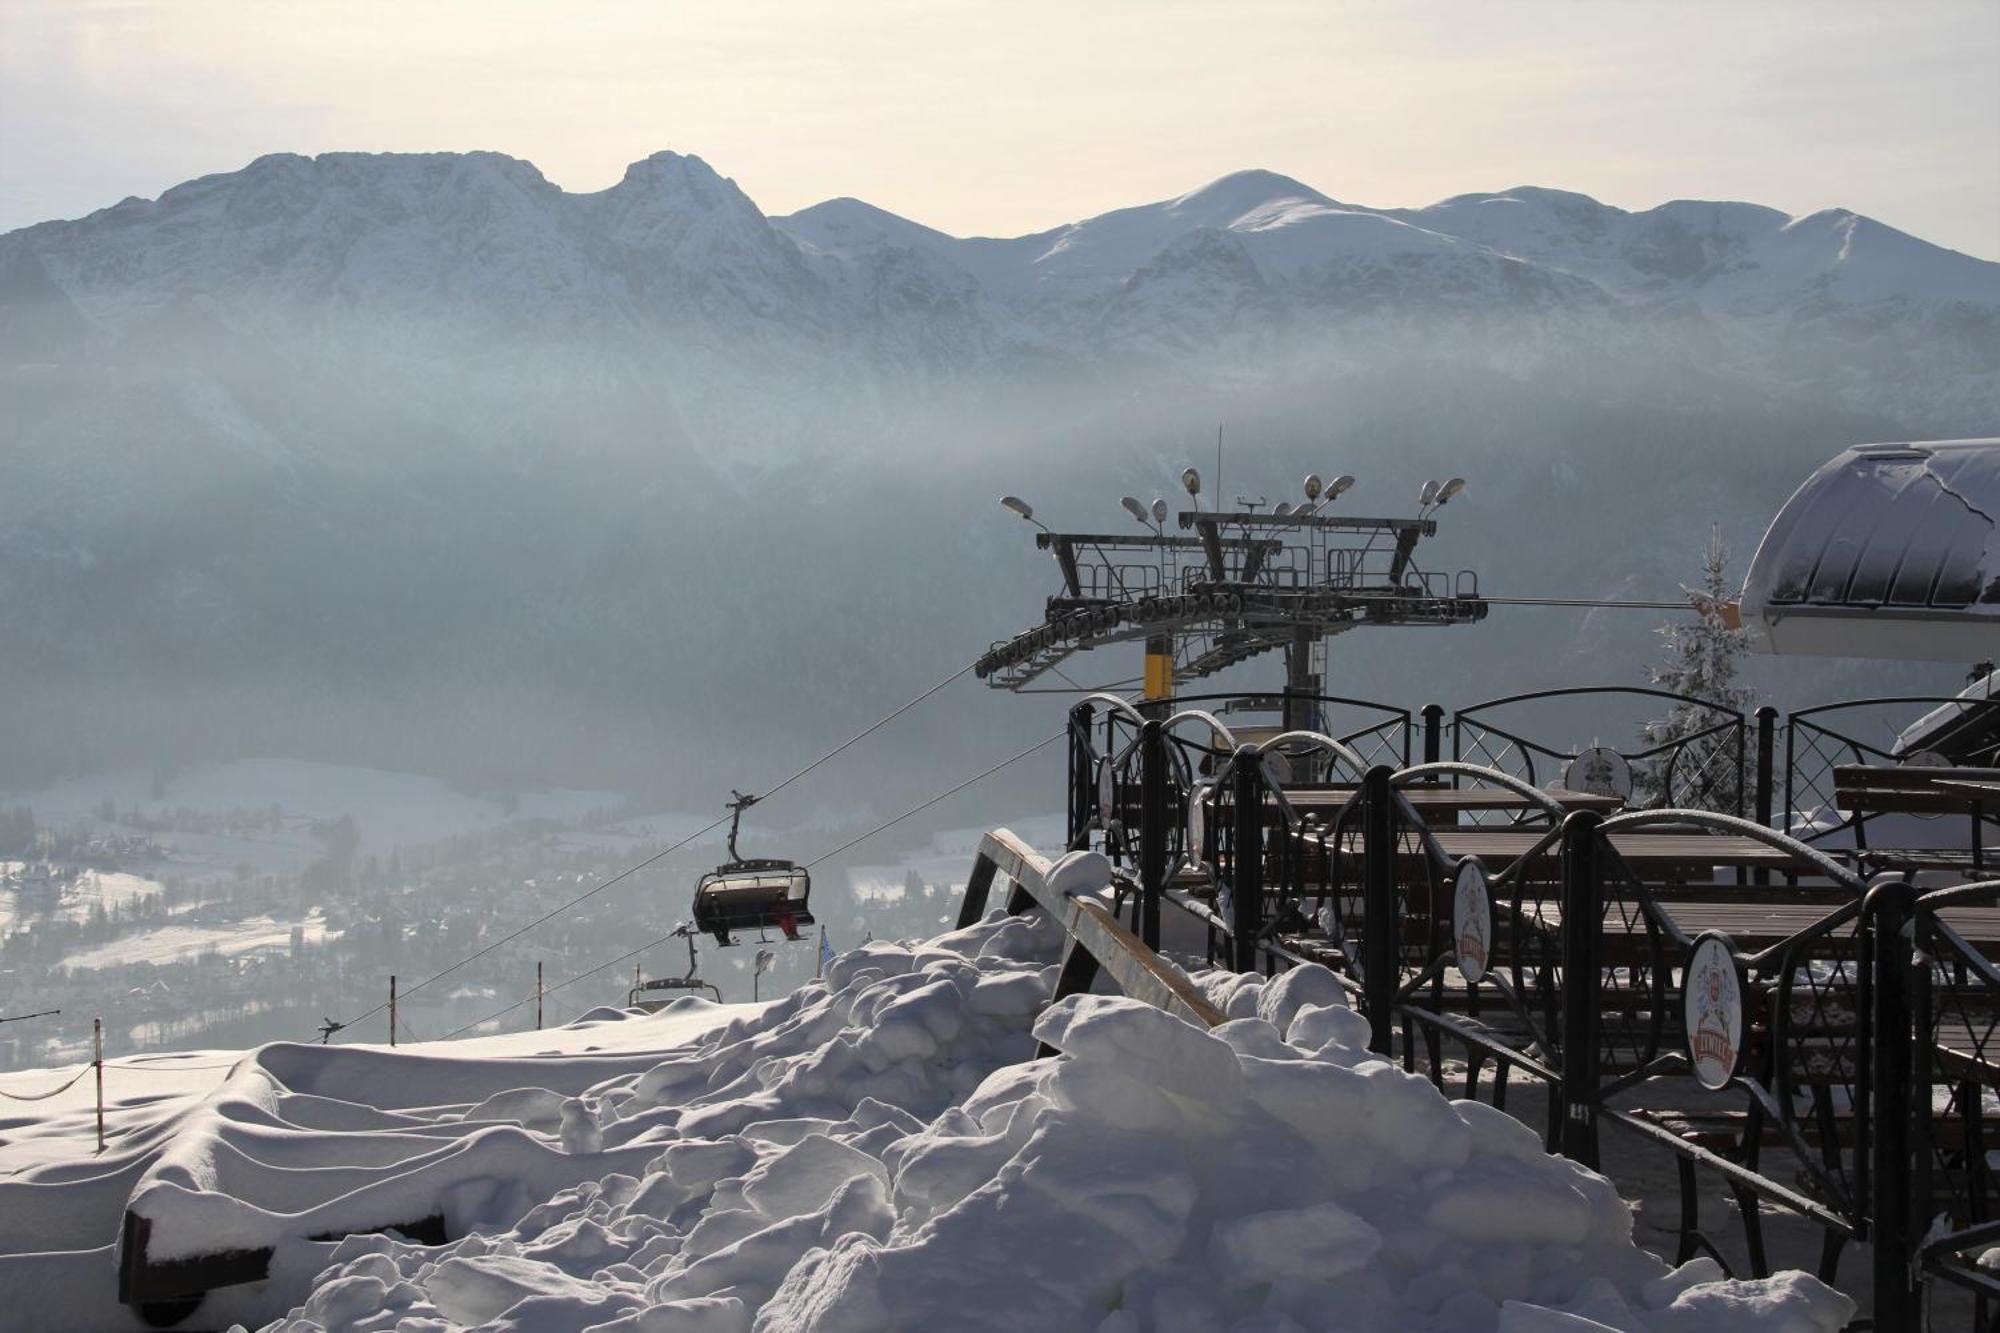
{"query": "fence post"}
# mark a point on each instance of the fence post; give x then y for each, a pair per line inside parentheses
(392, 1008)
(1582, 924)
(1082, 777)
(1246, 870)
(1379, 927)
(1893, 1096)
(1433, 715)
(539, 992)
(1153, 816)
(97, 1058)
(1767, 745)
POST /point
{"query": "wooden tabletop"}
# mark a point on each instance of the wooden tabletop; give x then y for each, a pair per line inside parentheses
(1453, 799)
(1668, 854)
(1914, 789)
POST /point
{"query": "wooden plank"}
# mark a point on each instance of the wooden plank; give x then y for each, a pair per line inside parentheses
(1139, 972)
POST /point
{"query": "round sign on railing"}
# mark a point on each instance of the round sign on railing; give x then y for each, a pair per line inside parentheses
(1471, 919)
(1712, 1009)
(1601, 771)
(1107, 793)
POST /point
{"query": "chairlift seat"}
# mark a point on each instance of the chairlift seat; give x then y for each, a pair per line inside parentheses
(753, 895)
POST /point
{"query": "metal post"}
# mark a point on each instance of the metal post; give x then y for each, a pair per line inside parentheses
(1893, 1094)
(97, 1058)
(1246, 869)
(1379, 927)
(1153, 817)
(392, 1009)
(1767, 742)
(1301, 682)
(1582, 924)
(1433, 715)
(539, 992)
(1159, 678)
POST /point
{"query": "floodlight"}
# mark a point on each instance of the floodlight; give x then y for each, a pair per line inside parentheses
(1427, 495)
(1312, 486)
(1450, 488)
(1159, 510)
(1019, 506)
(1339, 487)
(1192, 481)
(1282, 509)
(1136, 510)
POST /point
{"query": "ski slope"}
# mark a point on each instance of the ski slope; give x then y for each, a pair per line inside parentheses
(878, 1151)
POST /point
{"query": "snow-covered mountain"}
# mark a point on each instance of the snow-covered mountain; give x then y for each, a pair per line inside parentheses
(429, 429)
(763, 341)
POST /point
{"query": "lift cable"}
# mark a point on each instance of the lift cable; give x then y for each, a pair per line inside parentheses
(886, 824)
(330, 1027)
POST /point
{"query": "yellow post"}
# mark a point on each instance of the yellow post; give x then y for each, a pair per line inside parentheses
(1159, 668)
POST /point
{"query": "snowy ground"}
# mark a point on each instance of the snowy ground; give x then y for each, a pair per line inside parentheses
(880, 1151)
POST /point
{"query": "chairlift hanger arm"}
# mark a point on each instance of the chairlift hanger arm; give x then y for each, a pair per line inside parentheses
(1141, 541)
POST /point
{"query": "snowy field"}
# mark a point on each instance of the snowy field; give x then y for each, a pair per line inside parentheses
(878, 1151)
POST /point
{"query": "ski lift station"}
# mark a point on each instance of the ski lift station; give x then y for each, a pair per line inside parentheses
(1890, 550)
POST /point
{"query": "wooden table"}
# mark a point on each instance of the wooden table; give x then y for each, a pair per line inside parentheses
(1674, 856)
(1450, 802)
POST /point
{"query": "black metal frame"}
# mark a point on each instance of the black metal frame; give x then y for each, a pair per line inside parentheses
(1813, 750)
(1471, 733)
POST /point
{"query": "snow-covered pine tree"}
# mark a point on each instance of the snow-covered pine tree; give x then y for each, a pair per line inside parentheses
(1700, 660)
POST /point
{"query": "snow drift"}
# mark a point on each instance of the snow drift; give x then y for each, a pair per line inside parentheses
(883, 1151)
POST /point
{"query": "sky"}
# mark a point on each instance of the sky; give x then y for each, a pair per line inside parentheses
(1004, 118)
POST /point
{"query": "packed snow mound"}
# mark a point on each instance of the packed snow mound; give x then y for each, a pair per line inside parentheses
(881, 1152)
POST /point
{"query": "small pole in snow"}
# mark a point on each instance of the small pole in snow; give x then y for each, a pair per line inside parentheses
(97, 1058)
(819, 963)
(538, 995)
(392, 1008)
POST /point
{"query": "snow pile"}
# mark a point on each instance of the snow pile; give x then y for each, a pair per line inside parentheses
(880, 1152)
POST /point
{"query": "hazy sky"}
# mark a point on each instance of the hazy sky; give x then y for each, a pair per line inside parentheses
(1007, 117)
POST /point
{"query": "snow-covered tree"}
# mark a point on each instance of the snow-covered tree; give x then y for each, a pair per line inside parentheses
(1700, 659)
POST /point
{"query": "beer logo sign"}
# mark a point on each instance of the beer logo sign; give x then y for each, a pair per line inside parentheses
(1601, 771)
(1712, 1008)
(1471, 920)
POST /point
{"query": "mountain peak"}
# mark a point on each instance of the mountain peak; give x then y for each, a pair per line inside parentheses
(1229, 197)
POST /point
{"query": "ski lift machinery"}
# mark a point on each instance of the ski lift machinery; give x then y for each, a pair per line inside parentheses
(752, 893)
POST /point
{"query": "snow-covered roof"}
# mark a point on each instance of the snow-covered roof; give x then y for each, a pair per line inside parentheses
(1889, 550)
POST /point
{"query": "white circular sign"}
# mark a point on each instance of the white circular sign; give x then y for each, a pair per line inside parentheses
(1471, 920)
(1601, 771)
(1712, 1009)
(1106, 793)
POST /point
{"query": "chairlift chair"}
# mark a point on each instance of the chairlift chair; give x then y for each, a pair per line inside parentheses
(752, 894)
(646, 995)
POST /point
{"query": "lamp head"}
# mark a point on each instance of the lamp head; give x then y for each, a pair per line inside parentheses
(1450, 488)
(1159, 510)
(1135, 509)
(1312, 486)
(1019, 506)
(1340, 486)
(1191, 480)
(1427, 495)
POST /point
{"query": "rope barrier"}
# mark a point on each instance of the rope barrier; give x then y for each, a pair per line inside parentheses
(53, 1092)
(328, 1028)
